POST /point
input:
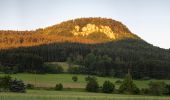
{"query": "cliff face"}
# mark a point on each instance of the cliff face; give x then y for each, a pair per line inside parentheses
(92, 28)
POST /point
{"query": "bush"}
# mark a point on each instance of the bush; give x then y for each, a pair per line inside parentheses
(59, 86)
(128, 86)
(30, 86)
(157, 88)
(168, 89)
(75, 78)
(17, 86)
(8, 84)
(92, 85)
(108, 87)
(5, 83)
(144, 91)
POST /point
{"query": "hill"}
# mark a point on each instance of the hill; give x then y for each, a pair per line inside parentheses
(76, 39)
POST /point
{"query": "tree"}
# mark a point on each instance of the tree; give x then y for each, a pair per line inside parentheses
(157, 88)
(17, 86)
(168, 89)
(145, 59)
(103, 66)
(108, 87)
(75, 78)
(5, 83)
(89, 61)
(69, 61)
(92, 85)
(23, 62)
(30, 86)
(8, 84)
(59, 86)
(128, 86)
(79, 60)
(99, 65)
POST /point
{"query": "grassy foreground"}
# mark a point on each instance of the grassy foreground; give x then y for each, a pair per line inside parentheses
(70, 95)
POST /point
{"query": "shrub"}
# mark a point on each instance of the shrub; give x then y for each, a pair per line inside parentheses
(30, 86)
(17, 86)
(59, 86)
(128, 86)
(144, 91)
(108, 87)
(92, 85)
(75, 78)
(59, 69)
(168, 89)
(5, 83)
(157, 88)
(8, 84)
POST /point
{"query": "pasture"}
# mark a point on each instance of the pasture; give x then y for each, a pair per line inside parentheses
(50, 80)
(70, 95)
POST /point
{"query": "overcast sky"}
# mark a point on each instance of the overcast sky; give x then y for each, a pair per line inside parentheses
(149, 19)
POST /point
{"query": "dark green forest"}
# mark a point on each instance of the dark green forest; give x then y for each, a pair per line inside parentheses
(107, 59)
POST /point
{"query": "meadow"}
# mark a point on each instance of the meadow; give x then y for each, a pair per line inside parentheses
(70, 95)
(50, 80)
(45, 84)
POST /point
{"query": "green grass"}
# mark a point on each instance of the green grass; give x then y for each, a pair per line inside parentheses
(50, 80)
(66, 79)
(70, 95)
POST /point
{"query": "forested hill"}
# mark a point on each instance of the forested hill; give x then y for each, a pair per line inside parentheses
(145, 60)
(83, 30)
(107, 44)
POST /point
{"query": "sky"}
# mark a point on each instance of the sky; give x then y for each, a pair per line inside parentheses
(149, 19)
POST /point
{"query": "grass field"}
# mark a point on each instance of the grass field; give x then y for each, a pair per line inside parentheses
(70, 95)
(50, 80)
(73, 90)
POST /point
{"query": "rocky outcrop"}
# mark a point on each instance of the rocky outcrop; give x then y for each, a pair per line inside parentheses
(92, 28)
